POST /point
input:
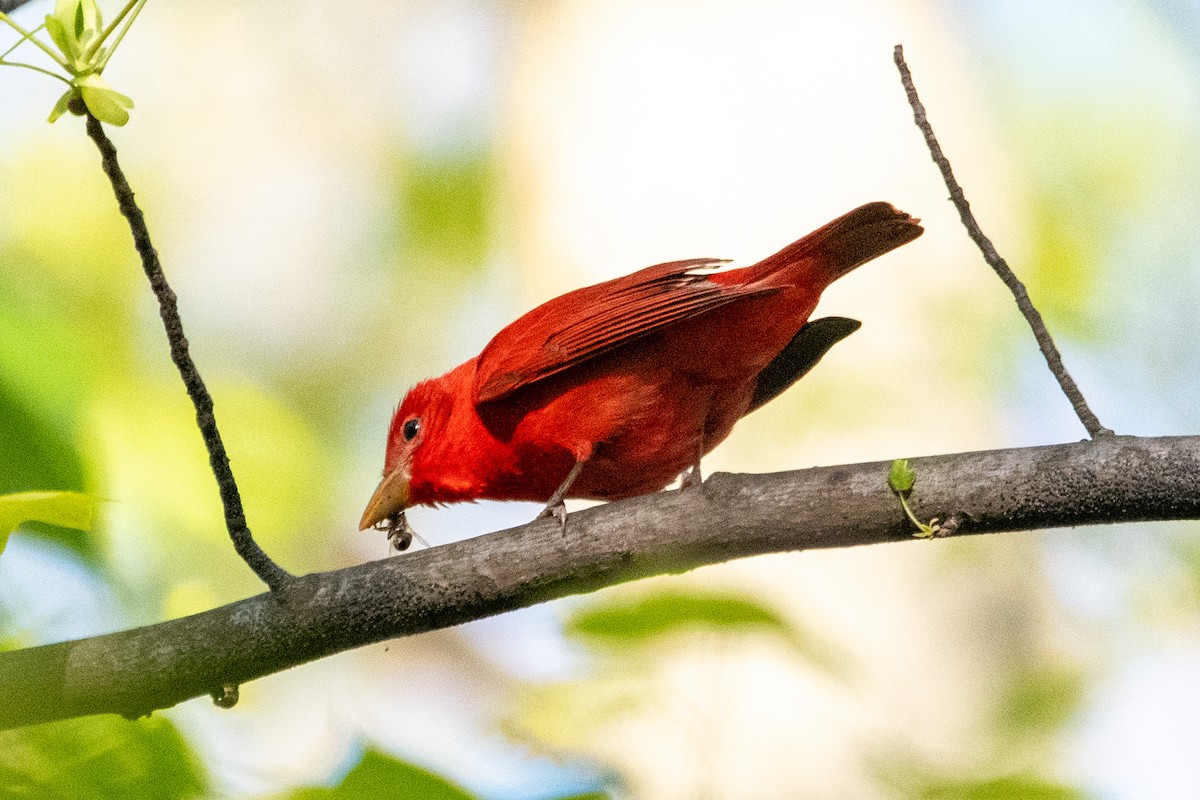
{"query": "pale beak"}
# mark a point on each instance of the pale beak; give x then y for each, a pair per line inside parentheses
(390, 498)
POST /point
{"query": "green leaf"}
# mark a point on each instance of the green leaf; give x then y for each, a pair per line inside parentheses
(63, 104)
(58, 34)
(99, 758)
(656, 615)
(88, 23)
(77, 16)
(65, 509)
(379, 775)
(106, 104)
(901, 477)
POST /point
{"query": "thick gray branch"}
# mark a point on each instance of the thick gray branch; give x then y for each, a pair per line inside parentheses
(1113, 479)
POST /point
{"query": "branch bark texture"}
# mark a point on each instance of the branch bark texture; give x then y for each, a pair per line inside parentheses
(1111, 479)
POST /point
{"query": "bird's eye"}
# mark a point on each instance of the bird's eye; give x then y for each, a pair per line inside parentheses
(411, 428)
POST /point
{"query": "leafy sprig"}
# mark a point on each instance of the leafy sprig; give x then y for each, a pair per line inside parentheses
(901, 479)
(81, 45)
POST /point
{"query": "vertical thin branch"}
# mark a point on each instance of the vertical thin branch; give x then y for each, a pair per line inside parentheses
(235, 519)
(1044, 340)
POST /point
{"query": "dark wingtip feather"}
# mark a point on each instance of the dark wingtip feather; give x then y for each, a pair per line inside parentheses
(799, 356)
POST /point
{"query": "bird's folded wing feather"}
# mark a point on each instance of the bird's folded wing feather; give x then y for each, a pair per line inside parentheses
(585, 323)
(801, 354)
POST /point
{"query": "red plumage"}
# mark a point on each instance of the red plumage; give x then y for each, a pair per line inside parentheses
(615, 389)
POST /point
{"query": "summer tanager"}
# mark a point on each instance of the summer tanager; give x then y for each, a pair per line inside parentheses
(617, 389)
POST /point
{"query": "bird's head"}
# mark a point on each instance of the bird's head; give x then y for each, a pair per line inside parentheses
(408, 431)
(431, 448)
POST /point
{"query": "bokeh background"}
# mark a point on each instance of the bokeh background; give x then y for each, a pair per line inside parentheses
(349, 197)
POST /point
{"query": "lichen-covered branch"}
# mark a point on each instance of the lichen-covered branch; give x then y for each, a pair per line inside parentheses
(1111, 479)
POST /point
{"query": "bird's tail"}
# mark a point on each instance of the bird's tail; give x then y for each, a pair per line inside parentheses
(834, 249)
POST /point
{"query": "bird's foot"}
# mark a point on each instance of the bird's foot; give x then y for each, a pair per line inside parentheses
(557, 511)
(691, 479)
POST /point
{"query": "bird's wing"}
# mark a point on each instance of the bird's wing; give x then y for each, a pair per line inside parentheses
(585, 323)
(800, 355)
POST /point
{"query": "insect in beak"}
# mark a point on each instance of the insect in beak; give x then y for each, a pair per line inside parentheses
(399, 533)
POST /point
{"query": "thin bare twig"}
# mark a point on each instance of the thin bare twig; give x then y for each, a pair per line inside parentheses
(235, 519)
(1044, 340)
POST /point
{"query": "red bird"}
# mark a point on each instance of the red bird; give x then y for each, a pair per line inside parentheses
(616, 389)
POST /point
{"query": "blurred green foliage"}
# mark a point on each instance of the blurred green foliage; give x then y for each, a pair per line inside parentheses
(1039, 701)
(638, 638)
(37, 455)
(99, 758)
(446, 206)
(643, 619)
(64, 311)
(1006, 788)
(67, 509)
(379, 775)
(659, 616)
(1086, 190)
